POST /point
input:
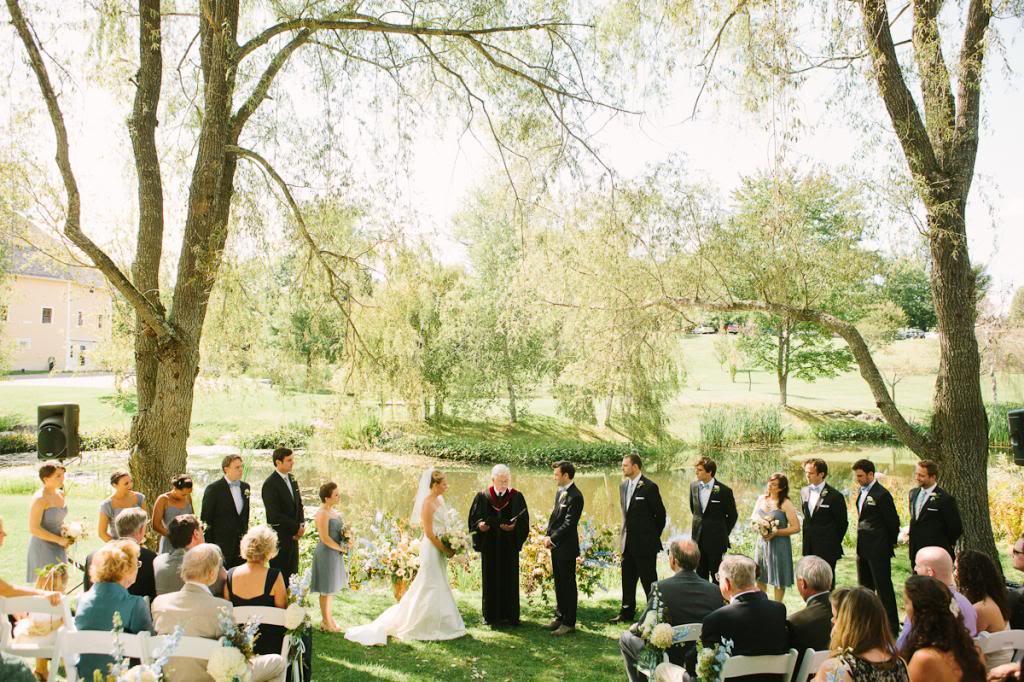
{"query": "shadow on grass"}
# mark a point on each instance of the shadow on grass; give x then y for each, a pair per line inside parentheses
(528, 652)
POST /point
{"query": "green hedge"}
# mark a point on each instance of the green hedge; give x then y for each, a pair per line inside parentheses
(998, 429)
(520, 454)
(294, 435)
(840, 430)
(107, 439)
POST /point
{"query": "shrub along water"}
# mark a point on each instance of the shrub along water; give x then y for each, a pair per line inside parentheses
(293, 435)
(855, 430)
(725, 425)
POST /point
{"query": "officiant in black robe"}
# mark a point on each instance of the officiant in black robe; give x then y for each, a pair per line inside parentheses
(499, 523)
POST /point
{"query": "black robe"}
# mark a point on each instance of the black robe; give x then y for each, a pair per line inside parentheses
(499, 551)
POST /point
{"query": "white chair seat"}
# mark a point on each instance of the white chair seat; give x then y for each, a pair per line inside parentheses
(33, 647)
(267, 615)
(812, 660)
(1000, 641)
(782, 664)
(73, 643)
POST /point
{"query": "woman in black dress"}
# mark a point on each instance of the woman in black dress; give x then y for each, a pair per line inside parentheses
(254, 583)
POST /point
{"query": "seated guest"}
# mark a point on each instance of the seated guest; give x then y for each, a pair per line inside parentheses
(1017, 593)
(114, 567)
(862, 644)
(978, 579)
(196, 611)
(131, 525)
(184, 532)
(685, 598)
(755, 624)
(938, 648)
(1008, 672)
(935, 562)
(811, 627)
(255, 584)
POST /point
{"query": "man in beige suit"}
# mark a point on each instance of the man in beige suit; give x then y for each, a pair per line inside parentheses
(195, 609)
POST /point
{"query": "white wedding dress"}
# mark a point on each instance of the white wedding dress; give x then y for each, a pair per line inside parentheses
(427, 611)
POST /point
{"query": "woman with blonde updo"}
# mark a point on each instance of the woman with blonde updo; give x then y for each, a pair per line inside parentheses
(114, 568)
(254, 583)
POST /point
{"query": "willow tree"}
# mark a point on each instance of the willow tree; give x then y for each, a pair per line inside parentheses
(509, 67)
(929, 80)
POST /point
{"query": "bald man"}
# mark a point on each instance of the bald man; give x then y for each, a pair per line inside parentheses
(936, 563)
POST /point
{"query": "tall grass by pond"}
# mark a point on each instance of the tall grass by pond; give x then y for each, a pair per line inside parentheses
(721, 426)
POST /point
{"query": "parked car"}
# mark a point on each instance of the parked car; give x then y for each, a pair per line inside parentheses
(910, 333)
(732, 328)
(704, 329)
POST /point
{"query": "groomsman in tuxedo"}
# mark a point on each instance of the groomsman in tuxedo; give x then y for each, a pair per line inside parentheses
(878, 529)
(284, 512)
(563, 539)
(643, 519)
(825, 519)
(225, 510)
(714, 515)
(934, 516)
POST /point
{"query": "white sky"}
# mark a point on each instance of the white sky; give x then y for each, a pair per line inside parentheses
(722, 145)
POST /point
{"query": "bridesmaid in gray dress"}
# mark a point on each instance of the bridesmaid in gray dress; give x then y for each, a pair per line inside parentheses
(774, 554)
(47, 545)
(123, 498)
(329, 575)
(171, 505)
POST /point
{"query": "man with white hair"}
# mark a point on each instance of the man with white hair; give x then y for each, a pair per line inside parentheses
(811, 627)
(936, 563)
(499, 522)
(196, 611)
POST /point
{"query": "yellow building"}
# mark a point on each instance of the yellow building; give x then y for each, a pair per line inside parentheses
(53, 314)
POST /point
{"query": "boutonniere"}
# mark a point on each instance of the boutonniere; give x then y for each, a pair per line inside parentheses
(870, 502)
(716, 489)
(824, 491)
(933, 496)
(247, 492)
(639, 484)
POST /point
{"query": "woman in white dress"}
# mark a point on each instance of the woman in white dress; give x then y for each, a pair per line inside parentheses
(427, 611)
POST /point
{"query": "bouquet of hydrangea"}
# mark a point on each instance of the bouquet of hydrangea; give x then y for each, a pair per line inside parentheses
(711, 660)
(455, 538)
(765, 525)
(658, 635)
(230, 661)
(297, 620)
(73, 531)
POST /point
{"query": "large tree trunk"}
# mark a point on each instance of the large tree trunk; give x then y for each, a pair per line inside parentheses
(513, 415)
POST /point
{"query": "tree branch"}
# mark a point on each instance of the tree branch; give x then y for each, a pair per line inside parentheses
(259, 92)
(149, 313)
(936, 91)
(970, 68)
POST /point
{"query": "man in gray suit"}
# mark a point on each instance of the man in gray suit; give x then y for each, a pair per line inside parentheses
(196, 610)
(184, 532)
(685, 598)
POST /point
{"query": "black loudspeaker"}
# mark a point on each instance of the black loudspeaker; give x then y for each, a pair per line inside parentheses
(58, 431)
(1015, 419)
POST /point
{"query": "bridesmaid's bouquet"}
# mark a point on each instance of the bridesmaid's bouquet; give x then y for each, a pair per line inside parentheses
(73, 531)
(765, 526)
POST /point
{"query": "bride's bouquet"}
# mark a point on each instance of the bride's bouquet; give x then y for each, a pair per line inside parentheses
(455, 538)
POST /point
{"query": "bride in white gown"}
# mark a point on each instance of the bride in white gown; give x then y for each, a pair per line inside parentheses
(427, 611)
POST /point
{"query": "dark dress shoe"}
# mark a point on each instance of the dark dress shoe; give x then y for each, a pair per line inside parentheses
(554, 625)
(621, 618)
(563, 630)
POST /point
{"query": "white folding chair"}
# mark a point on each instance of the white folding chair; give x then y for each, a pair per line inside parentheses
(267, 615)
(782, 664)
(1000, 641)
(43, 647)
(691, 633)
(73, 643)
(809, 665)
(188, 647)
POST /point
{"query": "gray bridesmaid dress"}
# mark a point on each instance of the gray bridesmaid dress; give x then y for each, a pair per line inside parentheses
(775, 558)
(43, 552)
(329, 573)
(107, 507)
(171, 513)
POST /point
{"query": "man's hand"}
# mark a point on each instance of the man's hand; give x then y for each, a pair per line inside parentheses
(302, 531)
(483, 527)
(54, 597)
(548, 543)
(508, 526)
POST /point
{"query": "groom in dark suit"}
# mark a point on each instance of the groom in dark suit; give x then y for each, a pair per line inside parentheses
(225, 510)
(825, 519)
(284, 512)
(714, 515)
(563, 539)
(934, 515)
(878, 529)
(643, 519)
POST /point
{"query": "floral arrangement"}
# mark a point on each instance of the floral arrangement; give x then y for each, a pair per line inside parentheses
(765, 525)
(389, 552)
(455, 538)
(73, 531)
(230, 661)
(597, 554)
(120, 670)
(711, 660)
(657, 634)
(297, 620)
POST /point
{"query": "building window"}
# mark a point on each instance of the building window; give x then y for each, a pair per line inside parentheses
(81, 318)
(99, 322)
(24, 344)
(3, 313)
(47, 315)
(81, 356)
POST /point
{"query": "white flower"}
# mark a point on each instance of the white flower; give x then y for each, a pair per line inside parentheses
(140, 673)
(228, 664)
(954, 608)
(661, 635)
(294, 616)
